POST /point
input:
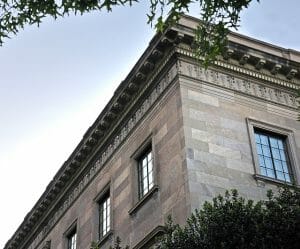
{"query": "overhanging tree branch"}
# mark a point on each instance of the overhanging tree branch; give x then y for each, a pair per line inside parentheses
(217, 17)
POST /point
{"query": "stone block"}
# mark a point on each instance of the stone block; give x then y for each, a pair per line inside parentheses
(203, 98)
(224, 152)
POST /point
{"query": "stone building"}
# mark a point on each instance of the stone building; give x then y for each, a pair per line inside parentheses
(173, 136)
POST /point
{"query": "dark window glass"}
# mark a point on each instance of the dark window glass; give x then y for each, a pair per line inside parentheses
(145, 173)
(72, 240)
(104, 214)
(272, 156)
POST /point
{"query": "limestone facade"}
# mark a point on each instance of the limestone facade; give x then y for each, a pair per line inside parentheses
(199, 125)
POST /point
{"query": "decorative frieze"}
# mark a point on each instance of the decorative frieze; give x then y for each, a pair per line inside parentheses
(245, 86)
(291, 74)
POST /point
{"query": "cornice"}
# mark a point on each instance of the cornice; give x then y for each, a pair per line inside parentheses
(260, 57)
(233, 66)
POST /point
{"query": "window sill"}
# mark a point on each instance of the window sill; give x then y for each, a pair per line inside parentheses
(142, 201)
(105, 238)
(263, 178)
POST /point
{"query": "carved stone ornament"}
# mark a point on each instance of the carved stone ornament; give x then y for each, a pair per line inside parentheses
(47, 245)
(245, 86)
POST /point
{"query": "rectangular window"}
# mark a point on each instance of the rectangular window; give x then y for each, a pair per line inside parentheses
(72, 240)
(104, 215)
(272, 155)
(274, 152)
(145, 173)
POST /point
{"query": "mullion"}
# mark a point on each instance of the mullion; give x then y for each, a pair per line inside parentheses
(272, 157)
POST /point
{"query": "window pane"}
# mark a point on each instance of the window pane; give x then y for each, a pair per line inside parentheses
(259, 149)
(263, 171)
(273, 142)
(270, 173)
(257, 138)
(275, 153)
(145, 182)
(266, 151)
(104, 226)
(151, 185)
(285, 168)
(278, 166)
(264, 139)
(268, 162)
(108, 223)
(287, 177)
(150, 166)
(280, 176)
(280, 144)
(145, 171)
(145, 191)
(282, 155)
(261, 161)
(150, 178)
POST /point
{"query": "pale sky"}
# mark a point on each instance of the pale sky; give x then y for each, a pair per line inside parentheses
(55, 80)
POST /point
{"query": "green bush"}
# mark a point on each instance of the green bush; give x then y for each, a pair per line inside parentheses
(230, 221)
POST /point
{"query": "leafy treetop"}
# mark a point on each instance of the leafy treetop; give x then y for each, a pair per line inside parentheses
(231, 221)
(217, 16)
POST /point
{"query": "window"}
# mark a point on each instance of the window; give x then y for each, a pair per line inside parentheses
(144, 180)
(272, 155)
(145, 173)
(72, 240)
(274, 152)
(104, 215)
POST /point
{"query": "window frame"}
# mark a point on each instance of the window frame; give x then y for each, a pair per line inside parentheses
(106, 190)
(69, 234)
(140, 169)
(101, 202)
(137, 200)
(271, 157)
(71, 244)
(289, 140)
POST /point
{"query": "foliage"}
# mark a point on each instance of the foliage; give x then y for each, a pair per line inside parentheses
(217, 16)
(230, 221)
